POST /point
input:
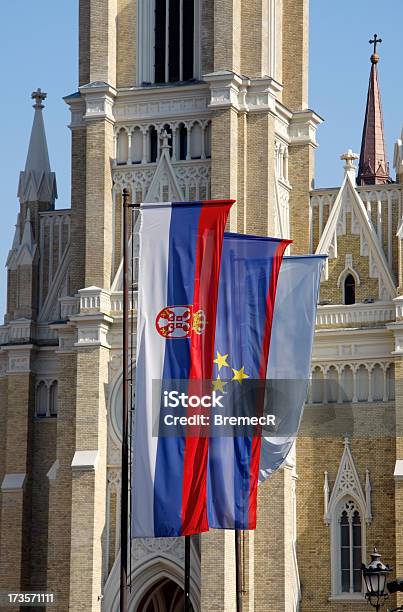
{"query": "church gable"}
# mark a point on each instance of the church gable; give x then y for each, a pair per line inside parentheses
(351, 242)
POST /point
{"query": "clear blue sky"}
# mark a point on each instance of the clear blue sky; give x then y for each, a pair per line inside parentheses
(42, 52)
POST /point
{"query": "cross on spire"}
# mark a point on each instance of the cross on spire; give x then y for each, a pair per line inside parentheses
(39, 96)
(375, 41)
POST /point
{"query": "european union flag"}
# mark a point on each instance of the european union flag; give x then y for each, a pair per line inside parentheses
(247, 289)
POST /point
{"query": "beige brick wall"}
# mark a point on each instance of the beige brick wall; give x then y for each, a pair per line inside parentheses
(15, 509)
(227, 35)
(99, 206)
(314, 456)
(59, 525)
(89, 487)
(368, 287)
(301, 172)
(295, 53)
(126, 43)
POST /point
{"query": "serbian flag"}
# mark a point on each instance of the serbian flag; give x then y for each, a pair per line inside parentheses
(289, 364)
(179, 267)
(250, 267)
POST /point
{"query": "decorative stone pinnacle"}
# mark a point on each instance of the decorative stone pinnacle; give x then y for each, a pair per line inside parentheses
(346, 442)
(349, 158)
(165, 139)
(375, 41)
(39, 96)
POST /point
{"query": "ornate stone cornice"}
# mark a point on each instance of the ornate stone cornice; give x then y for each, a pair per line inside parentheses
(230, 90)
(303, 127)
(99, 99)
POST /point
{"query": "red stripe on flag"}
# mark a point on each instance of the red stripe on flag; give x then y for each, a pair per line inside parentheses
(257, 440)
(212, 222)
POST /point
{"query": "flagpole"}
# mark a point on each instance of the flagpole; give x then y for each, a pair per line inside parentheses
(187, 573)
(124, 504)
(238, 570)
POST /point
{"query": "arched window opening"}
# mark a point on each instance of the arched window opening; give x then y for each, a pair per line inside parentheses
(390, 382)
(377, 383)
(122, 147)
(53, 399)
(350, 549)
(332, 385)
(174, 40)
(347, 384)
(41, 407)
(208, 140)
(153, 136)
(196, 142)
(349, 290)
(316, 393)
(362, 384)
(137, 146)
(183, 142)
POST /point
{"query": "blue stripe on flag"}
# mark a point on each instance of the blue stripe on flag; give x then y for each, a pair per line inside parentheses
(170, 452)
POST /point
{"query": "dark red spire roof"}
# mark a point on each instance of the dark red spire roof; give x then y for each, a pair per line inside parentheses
(373, 168)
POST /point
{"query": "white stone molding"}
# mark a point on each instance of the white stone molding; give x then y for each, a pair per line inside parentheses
(76, 103)
(92, 330)
(152, 560)
(348, 269)
(348, 495)
(164, 185)
(161, 104)
(398, 157)
(13, 483)
(348, 197)
(19, 359)
(99, 100)
(224, 89)
(69, 306)
(347, 483)
(398, 473)
(378, 312)
(303, 126)
(85, 461)
(94, 299)
(52, 473)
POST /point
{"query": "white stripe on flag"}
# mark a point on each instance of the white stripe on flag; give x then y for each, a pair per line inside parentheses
(153, 280)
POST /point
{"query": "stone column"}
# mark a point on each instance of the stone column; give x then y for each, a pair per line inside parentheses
(59, 525)
(88, 505)
(301, 176)
(16, 482)
(99, 151)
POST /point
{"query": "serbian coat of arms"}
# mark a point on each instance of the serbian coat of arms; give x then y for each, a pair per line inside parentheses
(176, 322)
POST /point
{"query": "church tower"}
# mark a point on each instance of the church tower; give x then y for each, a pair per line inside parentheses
(176, 100)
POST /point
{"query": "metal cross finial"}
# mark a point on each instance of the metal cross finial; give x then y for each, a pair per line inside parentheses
(39, 96)
(375, 41)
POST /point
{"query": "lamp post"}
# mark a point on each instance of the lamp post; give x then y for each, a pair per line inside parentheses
(375, 575)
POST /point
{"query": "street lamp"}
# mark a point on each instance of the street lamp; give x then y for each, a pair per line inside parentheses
(375, 580)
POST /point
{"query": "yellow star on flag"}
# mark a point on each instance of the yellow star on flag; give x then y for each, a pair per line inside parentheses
(221, 361)
(218, 385)
(239, 375)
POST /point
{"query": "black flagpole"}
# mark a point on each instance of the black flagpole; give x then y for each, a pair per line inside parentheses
(187, 574)
(238, 570)
(124, 506)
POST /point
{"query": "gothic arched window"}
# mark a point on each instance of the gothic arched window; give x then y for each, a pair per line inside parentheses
(174, 40)
(350, 549)
(349, 289)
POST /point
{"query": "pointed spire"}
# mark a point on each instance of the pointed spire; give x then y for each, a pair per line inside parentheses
(373, 167)
(37, 181)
